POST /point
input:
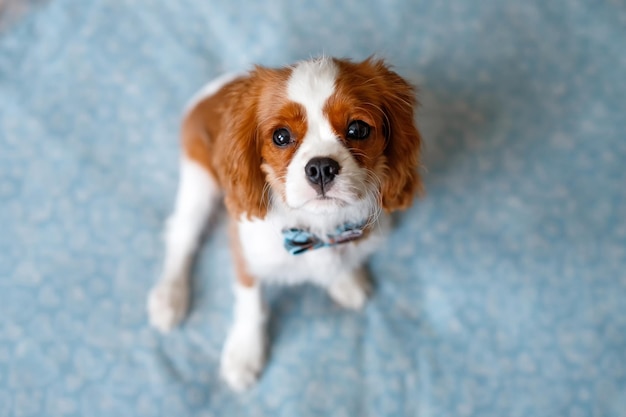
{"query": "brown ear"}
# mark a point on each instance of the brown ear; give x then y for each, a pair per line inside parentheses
(401, 180)
(244, 182)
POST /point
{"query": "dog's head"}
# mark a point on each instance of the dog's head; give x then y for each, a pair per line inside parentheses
(323, 136)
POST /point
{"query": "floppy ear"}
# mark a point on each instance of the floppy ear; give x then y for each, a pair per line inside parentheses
(244, 182)
(401, 180)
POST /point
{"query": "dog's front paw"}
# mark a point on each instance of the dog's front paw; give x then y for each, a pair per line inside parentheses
(243, 357)
(351, 291)
(167, 304)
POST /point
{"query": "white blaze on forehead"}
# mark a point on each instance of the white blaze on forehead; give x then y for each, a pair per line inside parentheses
(311, 84)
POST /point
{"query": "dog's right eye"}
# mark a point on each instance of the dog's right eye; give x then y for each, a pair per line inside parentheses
(358, 130)
(282, 137)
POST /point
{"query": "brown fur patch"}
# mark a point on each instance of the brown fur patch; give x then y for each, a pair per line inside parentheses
(370, 91)
(222, 134)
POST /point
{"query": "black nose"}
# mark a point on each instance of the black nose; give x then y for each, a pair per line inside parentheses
(321, 171)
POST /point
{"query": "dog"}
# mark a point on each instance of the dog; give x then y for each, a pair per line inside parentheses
(309, 160)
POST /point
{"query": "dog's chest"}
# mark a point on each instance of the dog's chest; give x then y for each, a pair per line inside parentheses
(263, 247)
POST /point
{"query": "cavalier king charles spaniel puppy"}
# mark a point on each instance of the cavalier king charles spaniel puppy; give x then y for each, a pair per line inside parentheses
(309, 160)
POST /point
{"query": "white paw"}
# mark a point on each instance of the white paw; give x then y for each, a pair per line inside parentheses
(243, 357)
(167, 304)
(351, 291)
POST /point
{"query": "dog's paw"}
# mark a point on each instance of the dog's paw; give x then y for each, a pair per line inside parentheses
(243, 358)
(167, 304)
(351, 291)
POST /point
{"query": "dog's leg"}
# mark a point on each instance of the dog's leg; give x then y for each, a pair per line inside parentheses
(197, 197)
(351, 289)
(243, 355)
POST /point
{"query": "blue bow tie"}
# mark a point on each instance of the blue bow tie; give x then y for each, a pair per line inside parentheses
(298, 241)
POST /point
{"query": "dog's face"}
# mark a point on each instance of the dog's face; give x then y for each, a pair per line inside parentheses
(328, 134)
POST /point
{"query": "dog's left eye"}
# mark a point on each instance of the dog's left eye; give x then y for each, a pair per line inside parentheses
(358, 130)
(282, 137)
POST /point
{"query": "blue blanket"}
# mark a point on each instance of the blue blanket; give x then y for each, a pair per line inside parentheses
(502, 292)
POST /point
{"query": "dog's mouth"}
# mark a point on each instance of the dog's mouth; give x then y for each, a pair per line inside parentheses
(324, 197)
(324, 203)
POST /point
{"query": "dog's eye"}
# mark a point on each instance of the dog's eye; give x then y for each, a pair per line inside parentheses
(282, 137)
(358, 130)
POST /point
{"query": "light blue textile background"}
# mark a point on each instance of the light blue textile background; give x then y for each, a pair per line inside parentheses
(501, 293)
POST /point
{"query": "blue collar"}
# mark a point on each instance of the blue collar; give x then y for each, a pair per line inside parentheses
(298, 241)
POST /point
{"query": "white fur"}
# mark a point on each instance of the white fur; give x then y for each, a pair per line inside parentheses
(198, 195)
(339, 269)
(351, 289)
(243, 355)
